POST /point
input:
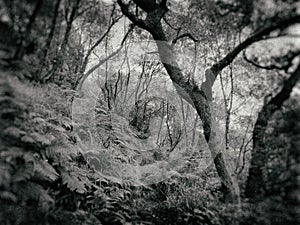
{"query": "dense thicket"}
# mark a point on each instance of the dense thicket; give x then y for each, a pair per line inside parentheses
(149, 112)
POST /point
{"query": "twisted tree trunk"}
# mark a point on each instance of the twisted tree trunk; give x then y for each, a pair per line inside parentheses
(255, 187)
(200, 99)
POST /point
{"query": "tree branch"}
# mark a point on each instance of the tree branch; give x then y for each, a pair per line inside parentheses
(125, 10)
(101, 62)
(267, 67)
(257, 36)
(85, 61)
(288, 59)
(188, 35)
(170, 25)
(212, 73)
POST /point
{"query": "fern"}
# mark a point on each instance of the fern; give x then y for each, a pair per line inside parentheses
(9, 196)
(37, 139)
(44, 171)
(11, 153)
(38, 152)
(23, 174)
(32, 191)
(14, 132)
(5, 174)
(61, 153)
(73, 182)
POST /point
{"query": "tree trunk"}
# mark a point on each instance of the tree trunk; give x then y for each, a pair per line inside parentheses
(25, 37)
(198, 98)
(255, 187)
(49, 39)
(60, 61)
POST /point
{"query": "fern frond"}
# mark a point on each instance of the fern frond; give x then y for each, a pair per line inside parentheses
(73, 182)
(10, 101)
(45, 171)
(14, 132)
(56, 127)
(23, 174)
(31, 191)
(5, 174)
(7, 195)
(36, 138)
(11, 153)
(61, 153)
(28, 139)
(39, 120)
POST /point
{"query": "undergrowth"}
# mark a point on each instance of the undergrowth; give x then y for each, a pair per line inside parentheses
(45, 178)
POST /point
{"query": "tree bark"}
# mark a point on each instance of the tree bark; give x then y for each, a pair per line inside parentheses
(255, 186)
(201, 100)
(49, 39)
(20, 51)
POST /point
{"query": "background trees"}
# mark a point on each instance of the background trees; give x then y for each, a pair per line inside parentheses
(199, 97)
(155, 112)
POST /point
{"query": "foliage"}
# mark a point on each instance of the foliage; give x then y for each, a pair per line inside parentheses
(126, 148)
(41, 168)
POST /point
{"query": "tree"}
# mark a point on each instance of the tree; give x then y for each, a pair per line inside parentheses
(24, 41)
(49, 38)
(70, 15)
(255, 187)
(84, 75)
(199, 97)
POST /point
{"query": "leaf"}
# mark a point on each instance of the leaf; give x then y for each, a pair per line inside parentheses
(8, 196)
(14, 132)
(37, 138)
(73, 182)
(66, 122)
(11, 153)
(5, 175)
(61, 153)
(45, 171)
(42, 139)
(28, 139)
(105, 178)
(57, 128)
(50, 137)
(23, 174)
(30, 190)
(39, 120)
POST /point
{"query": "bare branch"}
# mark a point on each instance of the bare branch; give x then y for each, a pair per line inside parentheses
(188, 35)
(85, 61)
(257, 36)
(170, 25)
(267, 67)
(101, 62)
(288, 60)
